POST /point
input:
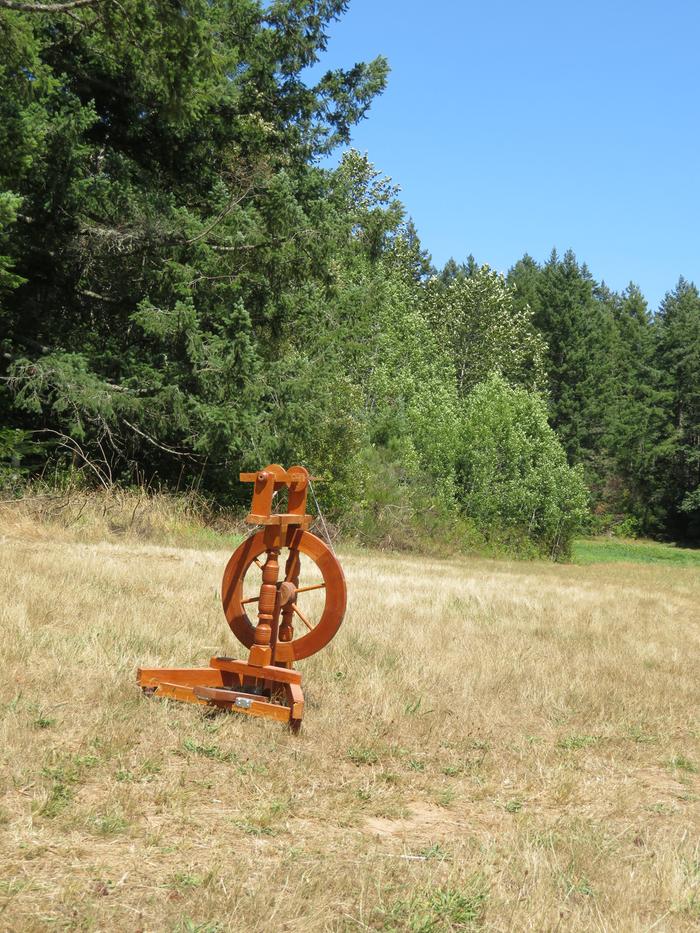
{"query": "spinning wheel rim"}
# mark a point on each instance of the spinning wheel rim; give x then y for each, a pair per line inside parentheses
(310, 546)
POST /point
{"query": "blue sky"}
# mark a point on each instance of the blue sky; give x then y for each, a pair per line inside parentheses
(514, 127)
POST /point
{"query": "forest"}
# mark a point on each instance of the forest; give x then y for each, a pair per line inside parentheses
(190, 286)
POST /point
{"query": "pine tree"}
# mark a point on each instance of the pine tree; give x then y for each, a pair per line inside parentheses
(607, 402)
(678, 358)
(635, 421)
(453, 270)
(172, 219)
(561, 298)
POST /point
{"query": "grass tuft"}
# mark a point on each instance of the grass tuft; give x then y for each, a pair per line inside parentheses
(437, 909)
(681, 763)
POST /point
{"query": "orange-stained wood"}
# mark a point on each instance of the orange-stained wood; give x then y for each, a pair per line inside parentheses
(255, 706)
(282, 675)
(168, 691)
(296, 700)
(288, 591)
(270, 480)
(152, 676)
(333, 579)
(260, 650)
(297, 611)
(265, 685)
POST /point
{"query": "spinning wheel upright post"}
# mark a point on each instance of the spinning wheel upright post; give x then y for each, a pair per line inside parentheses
(266, 684)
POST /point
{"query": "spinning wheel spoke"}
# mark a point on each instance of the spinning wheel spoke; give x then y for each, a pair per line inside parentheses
(303, 618)
(307, 589)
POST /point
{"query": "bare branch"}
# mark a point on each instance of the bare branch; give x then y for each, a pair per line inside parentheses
(96, 295)
(151, 440)
(74, 447)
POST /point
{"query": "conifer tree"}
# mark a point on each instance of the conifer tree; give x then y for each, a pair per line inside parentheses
(605, 402)
(635, 421)
(171, 220)
(678, 359)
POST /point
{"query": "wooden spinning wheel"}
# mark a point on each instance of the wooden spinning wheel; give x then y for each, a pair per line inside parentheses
(266, 685)
(314, 630)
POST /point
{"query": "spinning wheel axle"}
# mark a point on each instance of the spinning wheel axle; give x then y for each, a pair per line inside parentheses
(284, 598)
(265, 684)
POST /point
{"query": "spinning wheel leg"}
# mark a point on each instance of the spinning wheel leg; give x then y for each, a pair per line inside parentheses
(261, 652)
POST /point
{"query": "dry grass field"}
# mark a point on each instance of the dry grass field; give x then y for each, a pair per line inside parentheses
(487, 745)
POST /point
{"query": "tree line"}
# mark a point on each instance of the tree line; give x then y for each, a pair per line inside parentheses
(186, 291)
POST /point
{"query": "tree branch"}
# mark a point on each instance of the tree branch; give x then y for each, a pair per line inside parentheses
(151, 440)
(234, 202)
(71, 444)
(46, 7)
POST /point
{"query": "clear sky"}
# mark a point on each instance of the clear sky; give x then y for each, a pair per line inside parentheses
(514, 127)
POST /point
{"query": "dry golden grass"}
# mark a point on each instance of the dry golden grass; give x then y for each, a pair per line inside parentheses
(486, 745)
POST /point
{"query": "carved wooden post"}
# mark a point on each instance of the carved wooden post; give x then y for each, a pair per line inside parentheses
(291, 574)
(261, 652)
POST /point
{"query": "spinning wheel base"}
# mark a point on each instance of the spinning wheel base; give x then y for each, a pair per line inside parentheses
(228, 684)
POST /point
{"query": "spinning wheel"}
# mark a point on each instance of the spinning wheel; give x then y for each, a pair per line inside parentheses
(285, 632)
(315, 628)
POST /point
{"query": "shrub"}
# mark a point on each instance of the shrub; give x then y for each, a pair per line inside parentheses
(397, 508)
(514, 479)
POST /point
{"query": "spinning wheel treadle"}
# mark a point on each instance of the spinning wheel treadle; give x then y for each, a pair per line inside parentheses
(266, 685)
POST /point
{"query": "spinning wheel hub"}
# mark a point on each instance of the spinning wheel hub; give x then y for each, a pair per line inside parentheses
(266, 685)
(286, 593)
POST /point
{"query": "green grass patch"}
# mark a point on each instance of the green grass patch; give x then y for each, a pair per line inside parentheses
(59, 797)
(573, 742)
(681, 763)
(613, 550)
(209, 751)
(439, 909)
(360, 755)
(109, 824)
(191, 535)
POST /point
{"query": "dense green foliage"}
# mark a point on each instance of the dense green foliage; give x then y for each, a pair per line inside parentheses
(515, 478)
(624, 392)
(185, 291)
